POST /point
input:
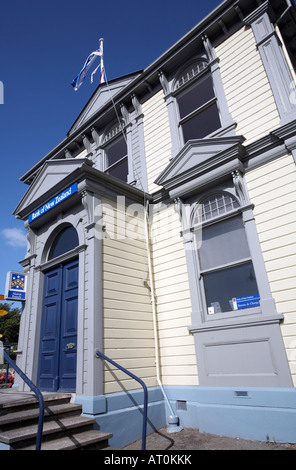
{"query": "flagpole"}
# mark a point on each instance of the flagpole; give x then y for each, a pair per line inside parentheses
(102, 60)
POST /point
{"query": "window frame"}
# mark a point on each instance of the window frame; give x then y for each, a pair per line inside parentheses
(59, 237)
(195, 229)
(115, 132)
(179, 90)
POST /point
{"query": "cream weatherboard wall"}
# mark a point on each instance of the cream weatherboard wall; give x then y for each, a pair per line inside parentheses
(173, 303)
(177, 352)
(157, 138)
(272, 191)
(128, 321)
(248, 92)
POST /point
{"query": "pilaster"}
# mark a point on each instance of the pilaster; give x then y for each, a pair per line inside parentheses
(275, 64)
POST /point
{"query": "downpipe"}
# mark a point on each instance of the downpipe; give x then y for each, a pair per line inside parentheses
(173, 420)
(289, 6)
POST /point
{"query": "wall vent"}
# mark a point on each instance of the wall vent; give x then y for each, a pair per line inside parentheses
(182, 405)
(241, 394)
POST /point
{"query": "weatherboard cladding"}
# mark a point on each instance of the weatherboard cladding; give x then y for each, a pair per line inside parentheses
(126, 303)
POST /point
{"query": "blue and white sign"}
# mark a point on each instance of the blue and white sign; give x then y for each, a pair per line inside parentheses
(54, 202)
(249, 301)
(16, 286)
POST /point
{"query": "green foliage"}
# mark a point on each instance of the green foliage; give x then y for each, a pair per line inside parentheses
(10, 323)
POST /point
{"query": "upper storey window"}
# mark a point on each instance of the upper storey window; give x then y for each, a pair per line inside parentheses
(116, 155)
(197, 102)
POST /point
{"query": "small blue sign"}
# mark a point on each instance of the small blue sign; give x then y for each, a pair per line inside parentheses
(54, 202)
(249, 301)
(16, 286)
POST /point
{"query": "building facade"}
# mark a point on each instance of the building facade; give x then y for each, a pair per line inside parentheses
(161, 232)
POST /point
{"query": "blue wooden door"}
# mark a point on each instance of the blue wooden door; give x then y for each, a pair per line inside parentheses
(58, 339)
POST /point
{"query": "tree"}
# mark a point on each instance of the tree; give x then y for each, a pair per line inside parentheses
(10, 323)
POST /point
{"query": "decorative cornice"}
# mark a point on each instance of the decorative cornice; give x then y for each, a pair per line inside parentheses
(274, 145)
(264, 8)
(204, 161)
(201, 156)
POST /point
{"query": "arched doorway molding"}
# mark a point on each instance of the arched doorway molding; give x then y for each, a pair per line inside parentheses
(47, 239)
(53, 232)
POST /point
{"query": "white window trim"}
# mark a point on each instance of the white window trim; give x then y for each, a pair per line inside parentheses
(193, 80)
(200, 315)
(171, 89)
(115, 131)
(213, 221)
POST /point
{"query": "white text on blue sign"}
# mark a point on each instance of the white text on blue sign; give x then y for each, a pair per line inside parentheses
(54, 202)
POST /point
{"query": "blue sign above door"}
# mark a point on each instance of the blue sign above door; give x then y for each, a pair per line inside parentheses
(54, 202)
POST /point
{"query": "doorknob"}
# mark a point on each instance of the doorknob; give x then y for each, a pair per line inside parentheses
(70, 346)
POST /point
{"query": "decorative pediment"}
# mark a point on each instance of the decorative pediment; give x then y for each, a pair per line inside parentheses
(200, 161)
(50, 177)
(101, 96)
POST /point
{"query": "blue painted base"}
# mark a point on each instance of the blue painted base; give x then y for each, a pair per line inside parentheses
(122, 414)
(262, 414)
(265, 414)
(4, 446)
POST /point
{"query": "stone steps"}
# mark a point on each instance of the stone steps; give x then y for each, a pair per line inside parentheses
(64, 428)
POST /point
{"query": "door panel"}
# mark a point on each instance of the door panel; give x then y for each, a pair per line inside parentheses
(69, 327)
(50, 331)
(58, 339)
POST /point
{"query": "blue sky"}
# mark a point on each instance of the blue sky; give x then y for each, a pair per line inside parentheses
(43, 46)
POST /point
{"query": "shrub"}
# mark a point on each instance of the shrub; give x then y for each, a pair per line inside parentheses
(10, 378)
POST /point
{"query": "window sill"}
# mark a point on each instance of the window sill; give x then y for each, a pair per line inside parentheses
(236, 322)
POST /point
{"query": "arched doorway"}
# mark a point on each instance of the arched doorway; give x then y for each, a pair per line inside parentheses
(58, 335)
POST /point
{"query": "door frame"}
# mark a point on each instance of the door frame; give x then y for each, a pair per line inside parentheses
(59, 328)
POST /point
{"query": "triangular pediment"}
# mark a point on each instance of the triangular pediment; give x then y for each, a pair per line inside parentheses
(50, 176)
(104, 93)
(198, 157)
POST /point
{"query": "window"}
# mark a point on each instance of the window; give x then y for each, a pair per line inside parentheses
(197, 102)
(65, 241)
(227, 274)
(116, 160)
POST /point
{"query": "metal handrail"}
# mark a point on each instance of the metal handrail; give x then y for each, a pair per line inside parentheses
(145, 410)
(8, 348)
(37, 393)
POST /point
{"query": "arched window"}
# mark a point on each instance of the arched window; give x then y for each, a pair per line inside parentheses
(65, 241)
(214, 206)
(197, 102)
(226, 269)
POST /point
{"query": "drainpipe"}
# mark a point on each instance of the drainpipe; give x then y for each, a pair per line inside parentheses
(289, 6)
(173, 420)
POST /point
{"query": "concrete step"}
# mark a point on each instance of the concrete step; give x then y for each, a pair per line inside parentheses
(95, 440)
(12, 417)
(55, 425)
(64, 426)
(19, 400)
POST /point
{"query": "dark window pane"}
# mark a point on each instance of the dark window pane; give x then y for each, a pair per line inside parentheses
(66, 241)
(202, 124)
(115, 151)
(223, 243)
(196, 96)
(120, 171)
(224, 285)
